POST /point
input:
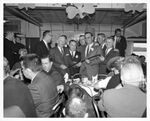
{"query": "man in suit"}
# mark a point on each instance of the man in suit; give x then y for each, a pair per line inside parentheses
(42, 47)
(50, 68)
(58, 55)
(81, 42)
(42, 87)
(129, 100)
(17, 94)
(120, 42)
(90, 67)
(101, 39)
(9, 52)
(75, 57)
(110, 52)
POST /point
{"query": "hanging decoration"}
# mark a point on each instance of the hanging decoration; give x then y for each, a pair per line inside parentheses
(134, 7)
(26, 6)
(79, 10)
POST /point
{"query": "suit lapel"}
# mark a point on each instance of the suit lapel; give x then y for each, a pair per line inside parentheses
(58, 51)
(91, 50)
(109, 53)
(44, 46)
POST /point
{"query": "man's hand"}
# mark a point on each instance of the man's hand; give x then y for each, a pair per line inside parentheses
(12, 72)
(102, 58)
(60, 88)
(63, 67)
(79, 64)
(116, 50)
(87, 61)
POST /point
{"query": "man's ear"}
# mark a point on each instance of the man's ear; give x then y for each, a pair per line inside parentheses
(86, 115)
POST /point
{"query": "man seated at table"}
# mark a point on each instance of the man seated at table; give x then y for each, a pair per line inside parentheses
(76, 108)
(42, 87)
(50, 68)
(76, 91)
(114, 65)
(129, 100)
(18, 101)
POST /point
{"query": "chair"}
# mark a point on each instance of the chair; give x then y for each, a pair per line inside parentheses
(95, 100)
(57, 110)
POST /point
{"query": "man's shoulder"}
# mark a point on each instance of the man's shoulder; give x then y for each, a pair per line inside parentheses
(54, 49)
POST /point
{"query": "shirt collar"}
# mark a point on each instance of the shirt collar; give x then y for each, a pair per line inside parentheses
(90, 45)
(34, 76)
(44, 41)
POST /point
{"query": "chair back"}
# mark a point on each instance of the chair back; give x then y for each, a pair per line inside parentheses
(102, 76)
(95, 100)
(57, 110)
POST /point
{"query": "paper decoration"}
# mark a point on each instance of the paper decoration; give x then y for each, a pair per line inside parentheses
(134, 7)
(80, 9)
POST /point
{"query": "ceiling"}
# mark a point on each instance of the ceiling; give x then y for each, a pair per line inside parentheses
(39, 15)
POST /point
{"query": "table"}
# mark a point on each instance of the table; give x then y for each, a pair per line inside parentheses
(89, 87)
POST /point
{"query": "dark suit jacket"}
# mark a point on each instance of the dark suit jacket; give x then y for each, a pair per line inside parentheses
(58, 58)
(17, 93)
(112, 53)
(55, 74)
(121, 46)
(73, 60)
(9, 51)
(41, 49)
(92, 68)
(44, 93)
(114, 81)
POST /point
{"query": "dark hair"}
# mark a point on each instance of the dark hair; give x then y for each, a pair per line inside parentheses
(75, 91)
(76, 107)
(110, 38)
(101, 34)
(89, 33)
(117, 30)
(64, 36)
(46, 56)
(72, 41)
(82, 35)
(33, 62)
(46, 32)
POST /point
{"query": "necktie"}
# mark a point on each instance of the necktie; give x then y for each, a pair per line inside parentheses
(62, 51)
(106, 51)
(72, 53)
(87, 52)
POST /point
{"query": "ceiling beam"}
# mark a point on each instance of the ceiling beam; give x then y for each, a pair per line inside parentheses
(136, 19)
(21, 14)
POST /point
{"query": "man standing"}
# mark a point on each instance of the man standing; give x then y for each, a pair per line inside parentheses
(75, 57)
(109, 53)
(50, 68)
(43, 47)
(58, 54)
(42, 87)
(90, 67)
(9, 52)
(101, 39)
(120, 42)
